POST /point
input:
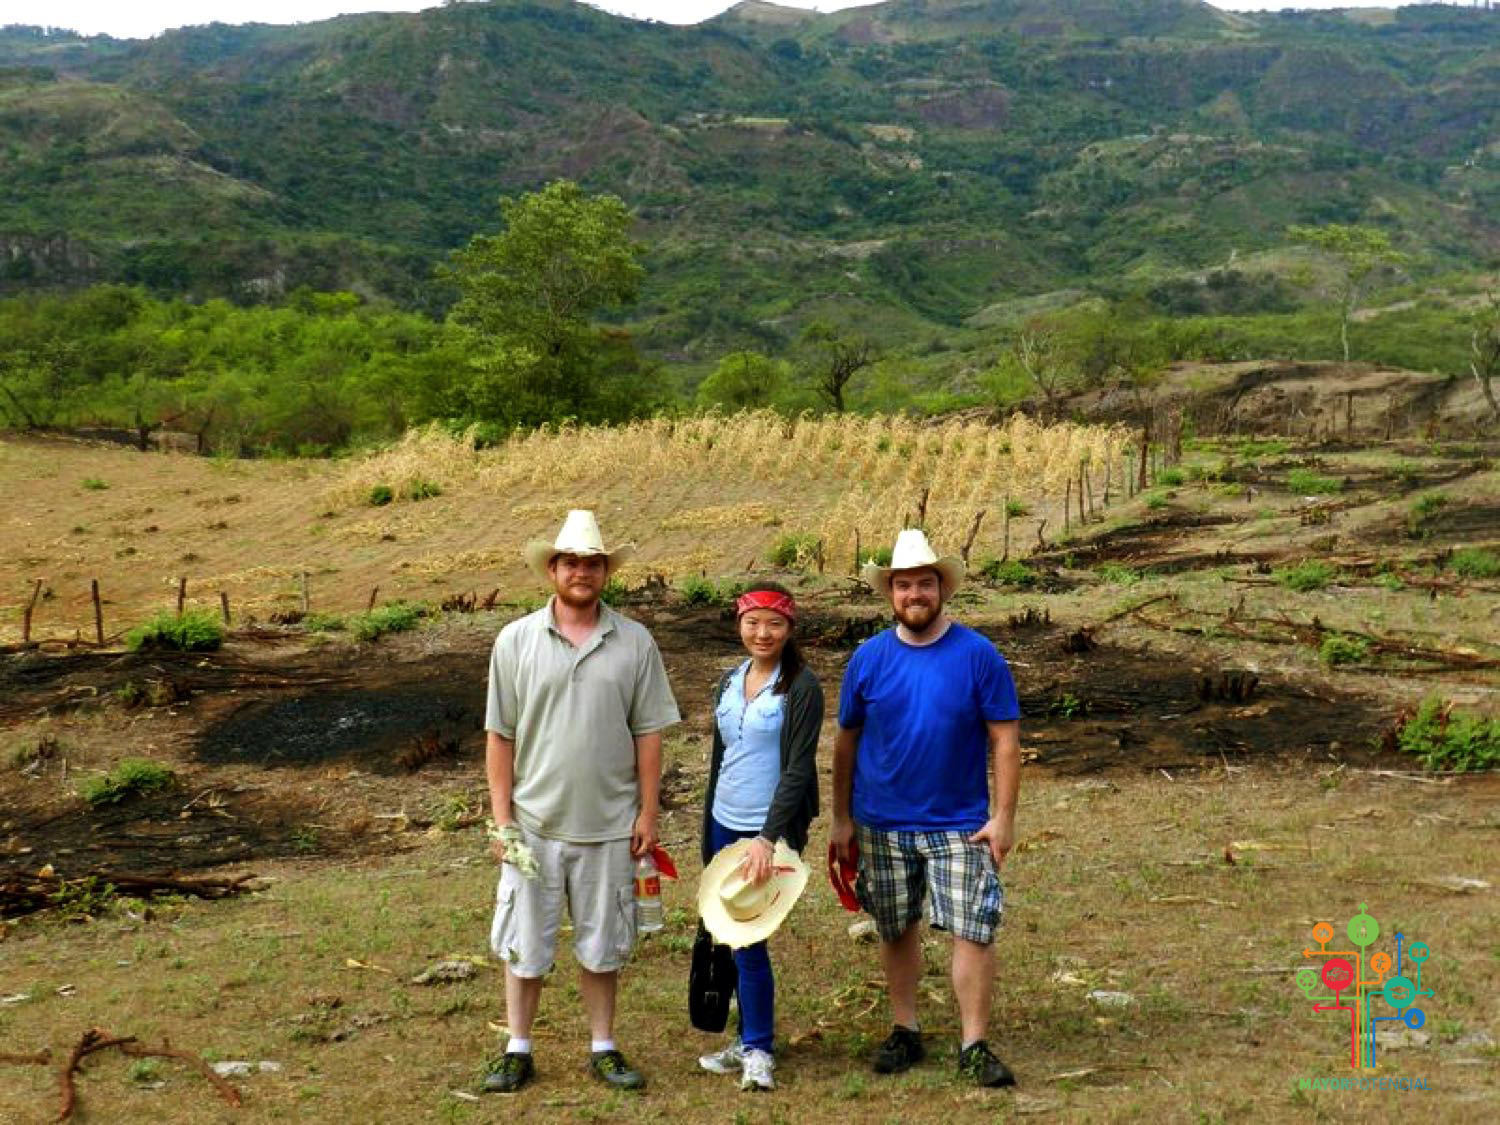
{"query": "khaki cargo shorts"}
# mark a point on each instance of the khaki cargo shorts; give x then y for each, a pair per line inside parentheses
(597, 882)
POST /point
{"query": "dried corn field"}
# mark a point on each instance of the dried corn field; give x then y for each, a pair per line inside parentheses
(712, 478)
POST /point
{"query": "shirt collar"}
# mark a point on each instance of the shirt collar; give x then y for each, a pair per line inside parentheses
(607, 618)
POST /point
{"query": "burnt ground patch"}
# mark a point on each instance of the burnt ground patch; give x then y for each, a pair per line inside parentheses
(177, 830)
(374, 726)
(1129, 707)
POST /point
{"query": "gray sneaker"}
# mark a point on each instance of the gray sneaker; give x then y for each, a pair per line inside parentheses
(756, 1074)
(728, 1061)
(611, 1068)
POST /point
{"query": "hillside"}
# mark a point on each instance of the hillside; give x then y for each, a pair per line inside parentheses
(901, 166)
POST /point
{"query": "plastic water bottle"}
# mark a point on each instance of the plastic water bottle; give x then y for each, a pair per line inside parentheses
(648, 911)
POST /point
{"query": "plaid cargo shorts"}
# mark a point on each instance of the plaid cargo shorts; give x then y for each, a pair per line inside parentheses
(898, 869)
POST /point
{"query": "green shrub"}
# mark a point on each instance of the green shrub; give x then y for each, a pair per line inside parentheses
(614, 593)
(1475, 562)
(1425, 508)
(323, 623)
(1305, 576)
(1008, 573)
(1443, 739)
(1156, 500)
(880, 556)
(1338, 648)
(1117, 575)
(197, 630)
(1254, 449)
(421, 489)
(132, 777)
(1017, 508)
(1171, 477)
(698, 590)
(794, 550)
(1305, 482)
(94, 484)
(380, 496)
(393, 617)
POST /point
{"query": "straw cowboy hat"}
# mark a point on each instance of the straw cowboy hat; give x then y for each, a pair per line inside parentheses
(739, 913)
(579, 536)
(913, 552)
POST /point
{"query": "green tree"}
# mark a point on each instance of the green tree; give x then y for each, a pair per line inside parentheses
(1484, 350)
(837, 356)
(528, 298)
(1360, 253)
(743, 381)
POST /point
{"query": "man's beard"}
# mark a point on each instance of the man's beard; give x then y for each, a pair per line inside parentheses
(919, 619)
(575, 599)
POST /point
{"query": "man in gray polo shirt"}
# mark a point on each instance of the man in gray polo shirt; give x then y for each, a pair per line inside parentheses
(578, 698)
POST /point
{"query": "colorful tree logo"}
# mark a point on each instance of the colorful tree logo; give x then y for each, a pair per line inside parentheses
(1343, 975)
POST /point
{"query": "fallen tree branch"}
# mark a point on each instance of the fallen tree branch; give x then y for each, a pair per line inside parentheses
(40, 1058)
(94, 1039)
(166, 1051)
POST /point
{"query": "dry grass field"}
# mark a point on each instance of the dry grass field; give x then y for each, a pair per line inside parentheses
(1202, 785)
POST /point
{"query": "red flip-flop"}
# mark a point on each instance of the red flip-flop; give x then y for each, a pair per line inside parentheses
(842, 873)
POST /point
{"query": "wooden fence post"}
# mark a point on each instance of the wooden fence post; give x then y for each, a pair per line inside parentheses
(181, 595)
(973, 532)
(374, 593)
(98, 613)
(1005, 532)
(224, 605)
(36, 592)
(306, 596)
(1067, 505)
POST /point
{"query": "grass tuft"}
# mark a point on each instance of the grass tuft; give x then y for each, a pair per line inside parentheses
(131, 778)
(1442, 738)
(196, 630)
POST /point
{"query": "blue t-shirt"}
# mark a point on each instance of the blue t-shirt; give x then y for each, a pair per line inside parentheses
(924, 748)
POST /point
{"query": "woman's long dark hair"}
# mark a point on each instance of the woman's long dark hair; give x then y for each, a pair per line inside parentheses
(791, 655)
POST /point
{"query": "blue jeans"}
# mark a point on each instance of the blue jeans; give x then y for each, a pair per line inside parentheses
(757, 984)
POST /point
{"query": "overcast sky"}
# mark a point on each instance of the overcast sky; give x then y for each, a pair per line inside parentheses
(135, 19)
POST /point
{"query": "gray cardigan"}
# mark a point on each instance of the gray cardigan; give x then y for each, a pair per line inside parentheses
(795, 802)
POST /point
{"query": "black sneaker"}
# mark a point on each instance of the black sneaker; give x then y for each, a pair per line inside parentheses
(978, 1064)
(511, 1073)
(901, 1051)
(611, 1067)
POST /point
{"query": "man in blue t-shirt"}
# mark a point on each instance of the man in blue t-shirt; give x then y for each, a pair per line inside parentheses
(923, 709)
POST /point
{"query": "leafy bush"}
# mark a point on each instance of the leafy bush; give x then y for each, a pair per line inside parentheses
(197, 630)
(795, 549)
(1475, 562)
(698, 590)
(1305, 482)
(1171, 477)
(94, 484)
(1338, 648)
(1117, 575)
(323, 623)
(1305, 576)
(1443, 739)
(1156, 500)
(380, 496)
(132, 777)
(421, 489)
(1422, 511)
(1008, 573)
(394, 617)
(880, 556)
(1016, 508)
(614, 593)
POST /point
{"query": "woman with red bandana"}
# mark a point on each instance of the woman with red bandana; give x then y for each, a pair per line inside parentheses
(762, 786)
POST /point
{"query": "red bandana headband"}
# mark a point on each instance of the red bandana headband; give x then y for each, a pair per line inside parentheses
(766, 599)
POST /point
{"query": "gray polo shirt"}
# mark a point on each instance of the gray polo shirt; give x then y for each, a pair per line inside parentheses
(574, 715)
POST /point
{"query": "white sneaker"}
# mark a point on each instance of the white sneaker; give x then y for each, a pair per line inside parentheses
(756, 1074)
(727, 1061)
